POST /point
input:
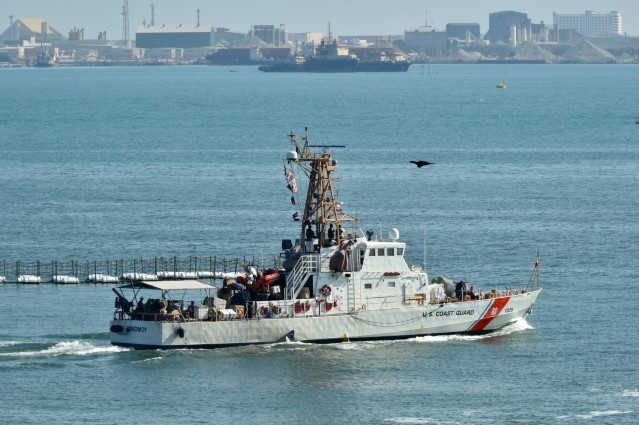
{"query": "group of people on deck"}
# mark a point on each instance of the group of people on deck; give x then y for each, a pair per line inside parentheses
(146, 310)
(312, 242)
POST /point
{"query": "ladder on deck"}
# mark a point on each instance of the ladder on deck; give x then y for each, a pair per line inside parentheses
(350, 286)
(350, 296)
(306, 265)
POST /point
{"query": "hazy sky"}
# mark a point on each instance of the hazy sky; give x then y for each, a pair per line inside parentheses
(347, 17)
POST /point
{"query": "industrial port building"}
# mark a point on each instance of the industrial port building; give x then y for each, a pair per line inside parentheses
(185, 37)
(35, 29)
(590, 24)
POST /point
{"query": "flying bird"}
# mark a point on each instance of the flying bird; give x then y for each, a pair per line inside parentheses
(420, 164)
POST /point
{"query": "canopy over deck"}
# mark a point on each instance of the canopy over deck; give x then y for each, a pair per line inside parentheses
(167, 285)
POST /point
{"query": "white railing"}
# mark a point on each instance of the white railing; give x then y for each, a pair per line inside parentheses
(297, 277)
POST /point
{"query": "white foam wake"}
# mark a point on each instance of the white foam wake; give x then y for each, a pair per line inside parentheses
(593, 415)
(518, 326)
(417, 421)
(8, 343)
(628, 393)
(69, 348)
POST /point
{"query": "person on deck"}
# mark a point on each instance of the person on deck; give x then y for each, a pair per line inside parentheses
(140, 305)
(331, 233)
(310, 235)
(190, 310)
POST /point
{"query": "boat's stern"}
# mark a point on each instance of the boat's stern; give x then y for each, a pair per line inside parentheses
(136, 333)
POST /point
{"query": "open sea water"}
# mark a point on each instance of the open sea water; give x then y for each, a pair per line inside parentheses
(137, 162)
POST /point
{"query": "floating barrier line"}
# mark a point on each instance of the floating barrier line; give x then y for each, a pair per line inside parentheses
(115, 271)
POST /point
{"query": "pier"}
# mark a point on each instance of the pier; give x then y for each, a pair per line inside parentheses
(115, 271)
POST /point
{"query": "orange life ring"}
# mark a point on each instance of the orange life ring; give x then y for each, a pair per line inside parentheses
(325, 291)
(448, 299)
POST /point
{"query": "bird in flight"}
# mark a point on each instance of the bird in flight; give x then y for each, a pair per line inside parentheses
(420, 164)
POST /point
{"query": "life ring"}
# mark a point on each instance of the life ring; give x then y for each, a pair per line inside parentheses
(180, 332)
(448, 299)
(325, 291)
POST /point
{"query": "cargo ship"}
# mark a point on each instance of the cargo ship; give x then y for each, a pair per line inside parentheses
(333, 57)
(328, 57)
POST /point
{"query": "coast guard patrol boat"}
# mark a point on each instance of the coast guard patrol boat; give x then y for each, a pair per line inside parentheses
(336, 283)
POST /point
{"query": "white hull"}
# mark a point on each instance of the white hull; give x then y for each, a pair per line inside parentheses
(478, 316)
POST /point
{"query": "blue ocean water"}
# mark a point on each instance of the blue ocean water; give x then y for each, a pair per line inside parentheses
(134, 162)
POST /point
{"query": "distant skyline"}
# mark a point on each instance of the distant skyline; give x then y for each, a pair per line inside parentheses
(347, 17)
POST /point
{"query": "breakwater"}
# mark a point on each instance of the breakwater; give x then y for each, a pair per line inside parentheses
(114, 271)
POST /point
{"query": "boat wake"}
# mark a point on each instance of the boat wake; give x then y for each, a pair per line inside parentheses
(518, 326)
(67, 348)
(409, 420)
(628, 393)
(593, 415)
(150, 359)
(8, 343)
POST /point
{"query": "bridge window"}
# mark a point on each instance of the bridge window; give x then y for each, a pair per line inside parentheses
(380, 252)
(391, 284)
(368, 286)
(371, 252)
(390, 251)
(400, 251)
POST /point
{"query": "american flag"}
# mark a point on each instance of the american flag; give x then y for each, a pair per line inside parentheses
(296, 217)
(292, 186)
(289, 175)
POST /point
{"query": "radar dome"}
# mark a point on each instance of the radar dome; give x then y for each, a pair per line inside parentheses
(291, 155)
(393, 234)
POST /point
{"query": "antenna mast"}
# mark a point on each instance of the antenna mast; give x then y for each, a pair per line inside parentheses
(152, 15)
(321, 208)
(11, 25)
(125, 24)
(198, 18)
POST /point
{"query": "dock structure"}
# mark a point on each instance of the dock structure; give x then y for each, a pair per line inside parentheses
(115, 271)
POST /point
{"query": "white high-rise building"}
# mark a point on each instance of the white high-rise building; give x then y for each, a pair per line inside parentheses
(590, 23)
